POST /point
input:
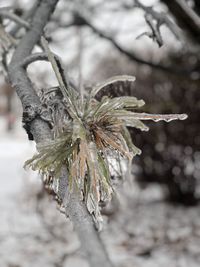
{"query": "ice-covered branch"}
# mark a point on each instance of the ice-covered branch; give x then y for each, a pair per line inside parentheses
(40, 130)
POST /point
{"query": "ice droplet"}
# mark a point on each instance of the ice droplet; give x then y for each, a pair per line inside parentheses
(171, 117)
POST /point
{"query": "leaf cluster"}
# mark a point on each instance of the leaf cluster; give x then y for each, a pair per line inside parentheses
(93, 131)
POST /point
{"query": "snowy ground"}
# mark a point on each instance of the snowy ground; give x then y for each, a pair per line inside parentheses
(144, 232)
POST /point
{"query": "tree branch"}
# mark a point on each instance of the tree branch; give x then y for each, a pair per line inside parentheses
(160, 18)
(40, 56)
(87, 233)
(15, 18)
(79, 20)
(26, 17)
(186, 17)
(76, 210)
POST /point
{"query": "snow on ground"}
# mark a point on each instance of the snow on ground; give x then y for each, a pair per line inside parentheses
(143, 232)
(151, 233)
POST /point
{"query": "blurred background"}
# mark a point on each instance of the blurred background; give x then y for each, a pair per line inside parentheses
(155, 220)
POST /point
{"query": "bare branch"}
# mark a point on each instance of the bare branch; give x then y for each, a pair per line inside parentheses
(161, 18)
(26, 17)
(15, 18)
(155, 27)
(40, 56)
(186, 17)
(131, 55)
(155, 34)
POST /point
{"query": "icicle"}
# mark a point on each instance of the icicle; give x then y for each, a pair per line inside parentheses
(159, 117)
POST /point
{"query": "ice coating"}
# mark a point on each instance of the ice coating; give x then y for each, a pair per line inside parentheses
(160, 117)
(120, 78)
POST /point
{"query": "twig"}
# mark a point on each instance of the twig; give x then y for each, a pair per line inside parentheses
(40, 56)
(155, 27)
(160, 18)
(26, 17)
(15, 18)
(155, 31)
(186, 17)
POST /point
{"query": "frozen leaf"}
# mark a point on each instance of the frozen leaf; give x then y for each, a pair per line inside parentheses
(112, 80)
(158, 117)
(136, 124)
(92, 137)
(132, 147)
